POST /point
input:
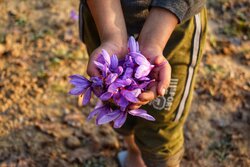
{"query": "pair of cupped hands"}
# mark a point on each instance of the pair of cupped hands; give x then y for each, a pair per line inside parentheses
(161, 72)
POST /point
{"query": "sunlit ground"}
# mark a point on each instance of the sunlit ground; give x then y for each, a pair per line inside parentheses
(41, 125)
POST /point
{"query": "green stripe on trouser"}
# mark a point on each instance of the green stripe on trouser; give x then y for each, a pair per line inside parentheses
(161, 142)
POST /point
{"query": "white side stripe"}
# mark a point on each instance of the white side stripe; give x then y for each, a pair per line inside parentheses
(191, 67)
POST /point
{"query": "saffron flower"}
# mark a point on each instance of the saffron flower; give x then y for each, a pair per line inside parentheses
(120, 84)
(73, 15)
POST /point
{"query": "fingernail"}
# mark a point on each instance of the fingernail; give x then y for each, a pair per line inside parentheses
(163, 92)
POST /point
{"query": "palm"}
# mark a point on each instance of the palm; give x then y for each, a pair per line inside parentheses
(161, 73)
(111, 49)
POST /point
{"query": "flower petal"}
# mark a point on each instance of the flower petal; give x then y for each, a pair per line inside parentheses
(132, 44)
(137, 111)
(106, 57)
(99, 65)
(83, 85)
(113, 88)
(114, 62)
(106, 96)
(120, 100)
(123, 82)
(103, 112)
(140, 59)
(73, 15)
(109, 117)
(142, 71)
(141, 113)
(96, 81)
(87, 96)
(105, 71)
(77, 76)
(129, 61)
(119, 70)
(128, 73)
(145, 84)
(79, 80)
(93, 113)
(120, 120)
(77, 90)
(136, 92)
(111, 78)
(98, 90)
(98, 108)
(130, 96)
(144, 79)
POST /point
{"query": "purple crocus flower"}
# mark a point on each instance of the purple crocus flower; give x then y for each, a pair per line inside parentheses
(128, 73)
(100, 110)
(114, 63)
(80, 83)
(120, 84)
(133, 46)
(108, 64)
(144, 65)
(111, 116)
(97, 85)
(121, 101)
(111, 78)
(114, 88)
(73, 15)
(129, 62)
(84, 86)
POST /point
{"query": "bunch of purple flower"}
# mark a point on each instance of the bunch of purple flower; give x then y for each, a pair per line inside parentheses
(120, 84)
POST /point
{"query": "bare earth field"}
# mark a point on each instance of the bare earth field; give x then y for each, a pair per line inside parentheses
(41, 125)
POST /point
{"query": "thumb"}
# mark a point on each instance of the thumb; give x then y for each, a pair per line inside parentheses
(92, 71)
(164, 75)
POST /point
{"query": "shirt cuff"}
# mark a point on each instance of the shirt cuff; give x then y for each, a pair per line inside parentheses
(178, 7)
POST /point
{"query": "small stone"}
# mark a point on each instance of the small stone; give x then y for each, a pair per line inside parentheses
(226, 51)
(73, 142)
(2, 49)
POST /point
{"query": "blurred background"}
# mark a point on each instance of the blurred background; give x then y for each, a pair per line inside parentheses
(41, 125)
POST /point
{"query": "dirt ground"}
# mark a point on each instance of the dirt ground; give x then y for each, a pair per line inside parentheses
(41, 125)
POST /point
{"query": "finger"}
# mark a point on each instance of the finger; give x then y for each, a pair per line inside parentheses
(142, 102)
(164, 76)
(160, 60)
(92, 71)
(134, 106)
(159, 64)
(164, 79)
(149, 95)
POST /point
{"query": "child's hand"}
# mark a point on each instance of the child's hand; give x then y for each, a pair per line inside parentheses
(111, 28)
(111, 48)
(152, 40)
(161, 73)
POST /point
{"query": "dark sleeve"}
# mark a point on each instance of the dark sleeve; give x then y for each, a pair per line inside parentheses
(183, 9)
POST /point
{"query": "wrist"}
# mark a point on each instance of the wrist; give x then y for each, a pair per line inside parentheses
(151, 51)
(149, 47)
(157, 29)
(114, 46)
(117, 40)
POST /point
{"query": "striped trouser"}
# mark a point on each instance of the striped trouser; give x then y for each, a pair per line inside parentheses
(161, 141)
